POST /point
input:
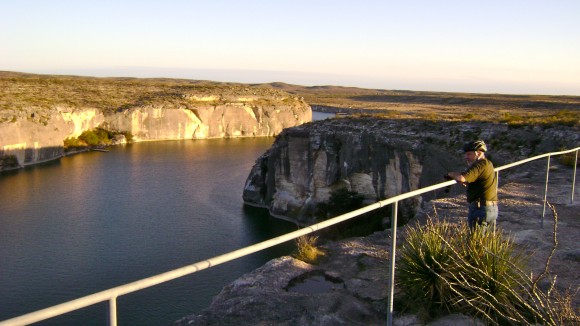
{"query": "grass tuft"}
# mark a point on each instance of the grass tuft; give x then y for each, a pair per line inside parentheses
(306, 249)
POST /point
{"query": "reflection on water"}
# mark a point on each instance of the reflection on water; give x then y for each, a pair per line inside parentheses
(96, 220)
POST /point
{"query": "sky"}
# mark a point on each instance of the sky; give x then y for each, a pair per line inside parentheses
(507, 47)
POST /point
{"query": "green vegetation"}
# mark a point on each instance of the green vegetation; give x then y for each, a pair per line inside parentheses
(569, 159)
(343, 201)
(562, 117)
(97, 137)
(445, 268)
(91, 138)
(8, 162)
(306, 249)
(23, 94)
(544, 119)
(33, 96)
(437, 106)
(73, 143)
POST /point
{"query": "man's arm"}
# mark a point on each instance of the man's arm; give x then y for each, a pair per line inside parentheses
(457, 176)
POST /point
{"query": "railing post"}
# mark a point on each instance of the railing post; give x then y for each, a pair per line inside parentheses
(546, 189)
(113, 311)
(496, 191)
(392, 269)
(574, 178)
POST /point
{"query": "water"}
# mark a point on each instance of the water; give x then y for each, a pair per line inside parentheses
(92, 221)
(322, 115)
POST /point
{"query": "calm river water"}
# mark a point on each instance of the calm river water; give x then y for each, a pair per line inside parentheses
(92, 221)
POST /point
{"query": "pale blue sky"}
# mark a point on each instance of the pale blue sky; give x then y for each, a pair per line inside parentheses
(518, 47)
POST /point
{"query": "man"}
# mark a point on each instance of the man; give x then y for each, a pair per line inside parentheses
(481, 182)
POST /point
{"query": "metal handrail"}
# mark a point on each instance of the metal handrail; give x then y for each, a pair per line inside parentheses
(112, 294)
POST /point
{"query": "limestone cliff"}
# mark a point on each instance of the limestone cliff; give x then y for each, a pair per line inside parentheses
(38, 112)
(377, 158)
(32, 140)
(239, 118)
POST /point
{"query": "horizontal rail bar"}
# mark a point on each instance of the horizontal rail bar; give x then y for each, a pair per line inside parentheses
(176, 273)
(113, 293)
(507, 166)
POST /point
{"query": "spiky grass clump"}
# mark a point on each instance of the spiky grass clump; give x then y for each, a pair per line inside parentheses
(306, 249)
(486, 268)
(446, 267)
(423, 259)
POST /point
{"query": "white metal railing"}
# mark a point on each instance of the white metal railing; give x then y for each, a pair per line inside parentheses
(112, 294)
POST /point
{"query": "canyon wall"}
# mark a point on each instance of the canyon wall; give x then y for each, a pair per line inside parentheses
(379, 158)
(35, 138)
(37, 135)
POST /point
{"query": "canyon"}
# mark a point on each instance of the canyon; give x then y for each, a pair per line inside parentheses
(37, 113)
(388, 142)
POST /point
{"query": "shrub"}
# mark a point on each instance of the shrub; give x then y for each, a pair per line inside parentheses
(486, 269)
(446, 268)
(72, 142)
(512, 119)
(103, 136)
(306, 249)
(564, 117)
(8, 162)
(95, 137)
(469, 117)
(89, 137)
(343, 201)
(424, 258)
(568, 159)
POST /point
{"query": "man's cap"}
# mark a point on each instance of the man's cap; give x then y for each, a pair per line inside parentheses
(475, 145)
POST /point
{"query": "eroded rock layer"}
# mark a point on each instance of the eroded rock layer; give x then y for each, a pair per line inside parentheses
(378, 159)
(38, 112)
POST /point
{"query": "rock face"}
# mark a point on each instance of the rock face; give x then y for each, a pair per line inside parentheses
(378, 159)
(35, 137)
(236, 119)
(307, 163)
(32, 140)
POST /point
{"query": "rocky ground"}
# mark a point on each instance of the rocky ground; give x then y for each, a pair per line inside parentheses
(349, 286)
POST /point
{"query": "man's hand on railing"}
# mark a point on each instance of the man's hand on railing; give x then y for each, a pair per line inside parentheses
(457, 176)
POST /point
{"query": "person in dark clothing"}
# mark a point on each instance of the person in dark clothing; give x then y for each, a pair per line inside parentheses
(481, 182)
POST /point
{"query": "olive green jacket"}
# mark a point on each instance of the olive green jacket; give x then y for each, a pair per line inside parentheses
(481, 181)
